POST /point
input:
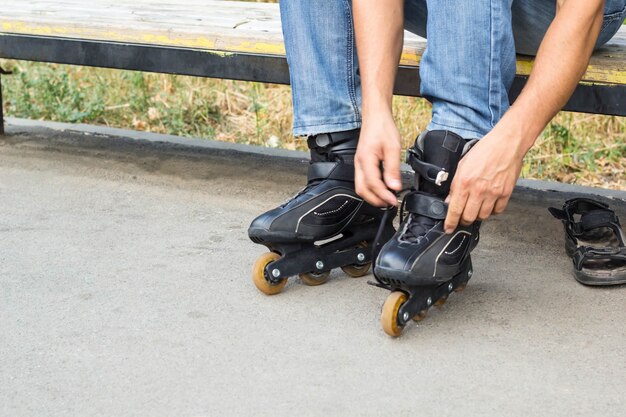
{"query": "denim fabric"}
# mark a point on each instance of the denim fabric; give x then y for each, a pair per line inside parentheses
(531, 19)
(466, 70)
(323, 65)
(469, 63)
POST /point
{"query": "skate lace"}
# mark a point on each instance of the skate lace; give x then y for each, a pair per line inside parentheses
(298, 194)
(415, 227)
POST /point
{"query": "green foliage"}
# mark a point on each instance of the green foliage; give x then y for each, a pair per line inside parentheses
(52, 95)
(576, 148)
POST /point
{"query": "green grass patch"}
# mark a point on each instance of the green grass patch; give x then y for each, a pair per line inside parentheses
(574, 148)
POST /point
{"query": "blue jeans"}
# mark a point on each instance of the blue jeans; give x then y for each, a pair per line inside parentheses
(466, 71)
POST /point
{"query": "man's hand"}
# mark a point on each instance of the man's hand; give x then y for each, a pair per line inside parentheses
(486, 175)
(379, 141)
(379, 34)
(484, 180)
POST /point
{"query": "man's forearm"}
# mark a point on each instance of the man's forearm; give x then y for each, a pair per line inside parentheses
(379, 36)
(379, 27)
(561, 61)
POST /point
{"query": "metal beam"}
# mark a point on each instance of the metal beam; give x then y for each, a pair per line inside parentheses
(1, 107)
(588, 98)
(137, 57)
(2, 72)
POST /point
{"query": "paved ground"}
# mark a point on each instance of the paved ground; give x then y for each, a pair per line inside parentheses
(125, 290)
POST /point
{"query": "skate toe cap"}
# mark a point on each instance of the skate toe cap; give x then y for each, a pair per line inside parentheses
(260, 228)
(394, 256)
(262, 222)
(391, 261)
(264, 229)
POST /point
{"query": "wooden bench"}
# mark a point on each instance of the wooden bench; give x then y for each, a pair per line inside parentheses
(226, 39)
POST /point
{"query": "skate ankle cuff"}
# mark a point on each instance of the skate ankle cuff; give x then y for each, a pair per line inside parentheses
(425, 205)
(348, 139)
(331, 170)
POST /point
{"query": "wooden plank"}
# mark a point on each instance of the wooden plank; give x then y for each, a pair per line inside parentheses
(225, 26)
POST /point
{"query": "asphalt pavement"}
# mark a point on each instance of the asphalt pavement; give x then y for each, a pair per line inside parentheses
(125, 291)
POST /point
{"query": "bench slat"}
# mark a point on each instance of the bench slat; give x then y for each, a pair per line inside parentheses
(224, 26)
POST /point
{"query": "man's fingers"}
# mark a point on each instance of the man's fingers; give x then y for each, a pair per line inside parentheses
(471, 210)
(455, 210)
(369, 184)
(391, 170)
(362, 189)
(486, 209)
(501, 204)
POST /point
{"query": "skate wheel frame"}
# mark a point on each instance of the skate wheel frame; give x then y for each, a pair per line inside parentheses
(415, 305)
(357, 270)
(259, 277)
(318, 260)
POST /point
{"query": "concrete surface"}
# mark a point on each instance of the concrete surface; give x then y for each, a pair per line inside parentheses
(125, 291)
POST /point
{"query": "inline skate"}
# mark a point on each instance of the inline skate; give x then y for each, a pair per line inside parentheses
(325, 226)
(421, 264)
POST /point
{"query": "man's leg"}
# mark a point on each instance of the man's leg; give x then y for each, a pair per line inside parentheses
(323, 65)
(469, 63)
(470, 59)
(319, 39)
(466, 72)
(531, 19)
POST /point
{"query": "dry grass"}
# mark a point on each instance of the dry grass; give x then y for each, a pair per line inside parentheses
(575, 148)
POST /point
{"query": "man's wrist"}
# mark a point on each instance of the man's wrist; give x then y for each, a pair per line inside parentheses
(376, 107)
(520, 132)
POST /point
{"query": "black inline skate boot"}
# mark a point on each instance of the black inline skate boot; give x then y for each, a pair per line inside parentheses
(421, 264)
(325, 226)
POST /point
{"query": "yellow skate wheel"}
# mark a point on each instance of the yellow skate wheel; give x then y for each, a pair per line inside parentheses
(311, 279)
(441, 301)
(461, 287)
(420, 316)
(389, 315)
(356, 271)
(258, 274)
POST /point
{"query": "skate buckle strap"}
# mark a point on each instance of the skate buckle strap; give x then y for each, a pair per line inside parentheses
(426, 205)
(429, 172)
(319, 141)
(324, 140)
(335, 170)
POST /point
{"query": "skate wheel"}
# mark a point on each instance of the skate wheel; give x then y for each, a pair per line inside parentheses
(461, 287)
(356, 271)
(389, 316)
(312, 279)
(420, 316)
(258, 274)
(441, 301)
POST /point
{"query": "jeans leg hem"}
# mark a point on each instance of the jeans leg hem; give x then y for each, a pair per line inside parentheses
(309, 130)
(464, 133)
